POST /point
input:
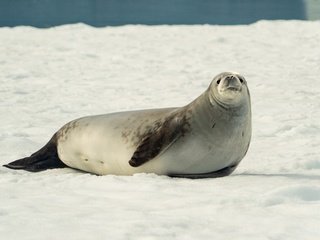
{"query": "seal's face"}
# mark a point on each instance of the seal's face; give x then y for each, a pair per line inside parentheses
(229, 89)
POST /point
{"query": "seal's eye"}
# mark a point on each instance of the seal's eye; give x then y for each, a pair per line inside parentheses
(241, 80)
(218, 82)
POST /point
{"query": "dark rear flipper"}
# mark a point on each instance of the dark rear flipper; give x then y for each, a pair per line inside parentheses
(46, 158)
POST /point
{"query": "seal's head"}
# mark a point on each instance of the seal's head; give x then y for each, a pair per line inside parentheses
(229, 89)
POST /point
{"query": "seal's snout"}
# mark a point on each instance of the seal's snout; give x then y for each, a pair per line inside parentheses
(232, 82)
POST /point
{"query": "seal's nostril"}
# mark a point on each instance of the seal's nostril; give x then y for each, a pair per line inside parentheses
(230, 77)
(218, 82)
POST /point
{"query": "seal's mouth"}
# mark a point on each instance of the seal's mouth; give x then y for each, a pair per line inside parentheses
(233, 88)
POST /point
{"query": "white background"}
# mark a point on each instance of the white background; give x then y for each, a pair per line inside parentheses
(51, 76)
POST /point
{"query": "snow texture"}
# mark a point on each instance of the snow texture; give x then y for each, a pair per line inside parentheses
(51, 76)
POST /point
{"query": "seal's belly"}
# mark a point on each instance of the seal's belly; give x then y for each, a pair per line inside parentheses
(197, 155)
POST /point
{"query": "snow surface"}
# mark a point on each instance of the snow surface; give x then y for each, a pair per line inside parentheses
(51, 76)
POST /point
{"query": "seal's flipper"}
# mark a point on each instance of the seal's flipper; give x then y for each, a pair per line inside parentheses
(45, 158)
(159, 138)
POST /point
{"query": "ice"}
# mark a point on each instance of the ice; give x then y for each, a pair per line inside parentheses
(51, 76)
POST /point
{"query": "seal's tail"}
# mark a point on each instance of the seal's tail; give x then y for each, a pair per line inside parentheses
(46, 158)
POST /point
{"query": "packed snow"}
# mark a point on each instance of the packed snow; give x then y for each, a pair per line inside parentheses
(51, 76)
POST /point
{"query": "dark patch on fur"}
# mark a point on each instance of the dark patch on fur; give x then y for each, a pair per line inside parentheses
(159, 136)
(62, 134)
(46, 158)
(125, 135)
(220, 173)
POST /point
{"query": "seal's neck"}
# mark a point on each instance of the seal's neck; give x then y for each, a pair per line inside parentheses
(201, 112)
(205, 112)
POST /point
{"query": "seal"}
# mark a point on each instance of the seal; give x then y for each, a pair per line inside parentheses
(206, 138)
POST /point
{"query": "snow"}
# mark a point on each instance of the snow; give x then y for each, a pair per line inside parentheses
(51, 76)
